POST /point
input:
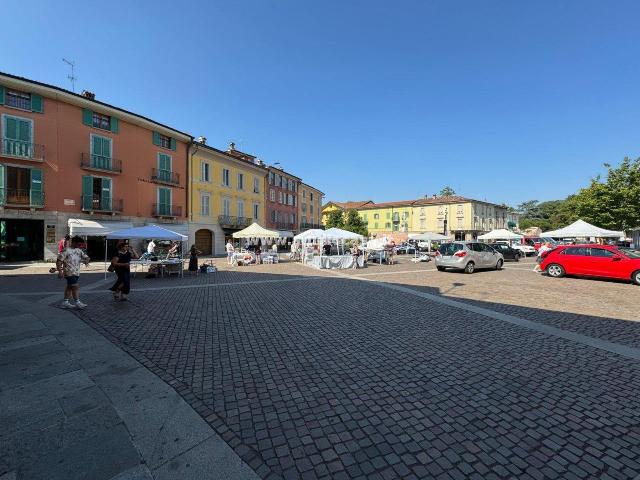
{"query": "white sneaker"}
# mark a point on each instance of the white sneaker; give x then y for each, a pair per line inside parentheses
(79, 304)
(66, 304)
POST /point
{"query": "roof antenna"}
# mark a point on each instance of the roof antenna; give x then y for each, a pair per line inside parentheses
(71, 77)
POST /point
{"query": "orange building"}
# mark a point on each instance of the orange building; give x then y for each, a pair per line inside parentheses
(67, 158)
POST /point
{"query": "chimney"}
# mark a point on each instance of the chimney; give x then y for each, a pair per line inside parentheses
(434, 196)
(88, 94)
(202, 140)
(232, 147)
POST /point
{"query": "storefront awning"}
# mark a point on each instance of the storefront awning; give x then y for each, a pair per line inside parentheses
(94, 228)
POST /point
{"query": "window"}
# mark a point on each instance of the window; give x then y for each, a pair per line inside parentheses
(100, 152)
(304, 194)
(422, 212)
(581, 251)
(273, 215)
(226, 181)
(101, 121)
(280, 197)
(164, 201)
(204, 172)
(460, 209)
(364, 215)
(16, 99)
(311, 196)
(375, 225)
(96, 193)
(310, 208)
(165, 142)
(23, 186)
(205, 204)
(240, 181)
(304, 207)
(256, 212)
(376, 216)
(460, 223)
(272, 195)
(289, 199)
(423, 224)
(164, 167)
(601, 252)
(240, 208)
(256, 185)
(226, 206)
(271, 178)
(17, 140)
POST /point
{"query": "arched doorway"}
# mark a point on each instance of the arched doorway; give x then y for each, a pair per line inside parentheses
(204, 241)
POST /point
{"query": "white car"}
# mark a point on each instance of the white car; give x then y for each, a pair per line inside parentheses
(525, 249)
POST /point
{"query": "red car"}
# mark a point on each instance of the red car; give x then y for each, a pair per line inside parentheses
(593, 261)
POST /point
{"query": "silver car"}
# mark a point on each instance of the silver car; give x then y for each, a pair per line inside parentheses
(467, 256)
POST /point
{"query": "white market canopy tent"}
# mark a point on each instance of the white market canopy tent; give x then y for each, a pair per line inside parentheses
(313, 234)
(256, 231)
(140, 233)
(500, 234)
(582, 229)
(334, 233)
(93, 228)
(148, 231)
(428, 237)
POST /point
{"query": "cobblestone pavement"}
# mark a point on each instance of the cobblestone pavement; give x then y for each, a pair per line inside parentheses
(311, 375)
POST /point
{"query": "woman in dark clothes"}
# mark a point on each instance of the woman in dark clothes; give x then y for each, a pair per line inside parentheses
(193, 259)
(122, 266)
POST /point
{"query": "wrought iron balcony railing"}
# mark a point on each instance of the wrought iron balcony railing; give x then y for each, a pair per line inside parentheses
(166, 210)
(101, 163)
(101, 203)
(15, 197)
(24, 150)
(165, 176)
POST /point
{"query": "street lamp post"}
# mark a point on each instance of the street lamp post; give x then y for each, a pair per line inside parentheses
(446, 211)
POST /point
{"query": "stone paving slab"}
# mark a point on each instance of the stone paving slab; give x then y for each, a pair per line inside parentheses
(338, 378)
(86, 420)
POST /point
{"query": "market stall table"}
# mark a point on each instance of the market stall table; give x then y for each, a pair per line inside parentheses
(335, 261)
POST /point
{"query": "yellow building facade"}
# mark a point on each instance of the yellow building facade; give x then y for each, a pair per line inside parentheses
(462, 218)
(226, 194)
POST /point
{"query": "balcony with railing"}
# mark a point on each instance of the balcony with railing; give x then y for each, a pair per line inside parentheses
(284, 225)
(22, 150)
(229, 221)
(165, 176)
(100, 163)
(101, 204)
(166, 210)
(15, 197)
(309, 226)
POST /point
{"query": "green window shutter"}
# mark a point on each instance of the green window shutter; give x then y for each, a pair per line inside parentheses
(3, 194)
(106, 152)
(11, 128)
(155, 137)
(115, 125)
(36, 196)
(1, 95)
(87, 117)
(173, 144)
(24, 131)
(36, 103)
(105, 194)
(87, 192)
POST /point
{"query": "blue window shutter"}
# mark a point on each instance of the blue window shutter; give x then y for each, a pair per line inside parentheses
(155, 137)
(173, 144)
(87, 117)
(1, 95)
(115, 125)
(37, 103)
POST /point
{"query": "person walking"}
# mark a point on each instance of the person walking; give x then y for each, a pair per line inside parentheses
(68, 265)
(121, 263)
(355, 253)
(193, 259)
(230, 252)
(544, 248)
(258, 251)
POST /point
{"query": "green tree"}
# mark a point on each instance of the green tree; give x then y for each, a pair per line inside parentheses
(354, 223)
(335, 219)
(447, 192)
(615, 202)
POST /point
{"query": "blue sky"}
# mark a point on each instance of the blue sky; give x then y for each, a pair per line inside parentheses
(505, 101)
